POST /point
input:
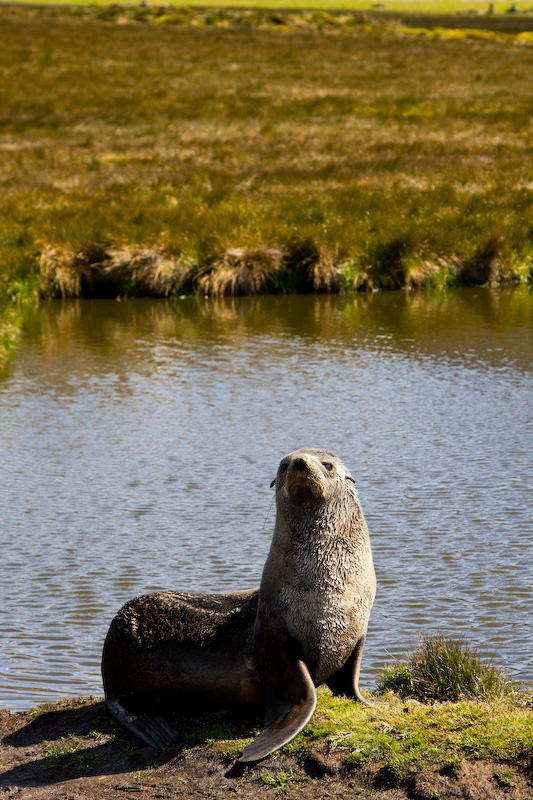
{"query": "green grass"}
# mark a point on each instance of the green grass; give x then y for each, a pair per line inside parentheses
(11, 320)
(443, 669)
(69, 753)
(142, 148)
(406, 736)
(281, 779)
(466, 710)
(505, 778)
(442, 705)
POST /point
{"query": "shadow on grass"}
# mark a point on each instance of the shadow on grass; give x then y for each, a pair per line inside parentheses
(82, 741)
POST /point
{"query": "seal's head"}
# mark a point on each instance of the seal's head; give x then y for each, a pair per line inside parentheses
(310, 477)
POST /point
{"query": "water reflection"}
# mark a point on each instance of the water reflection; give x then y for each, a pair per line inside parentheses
(466, 323)
(139, 440)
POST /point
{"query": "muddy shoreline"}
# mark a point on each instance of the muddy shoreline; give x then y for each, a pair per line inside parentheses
(72, 749)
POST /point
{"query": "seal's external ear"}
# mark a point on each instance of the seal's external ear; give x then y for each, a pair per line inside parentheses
(274, 483)
(349, 478)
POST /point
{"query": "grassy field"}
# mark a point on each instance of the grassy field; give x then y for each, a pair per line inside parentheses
(159, 150)
(395, 6)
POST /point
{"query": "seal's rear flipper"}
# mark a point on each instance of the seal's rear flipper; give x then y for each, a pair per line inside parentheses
(346, 680)
(147, 725)
(289, 708)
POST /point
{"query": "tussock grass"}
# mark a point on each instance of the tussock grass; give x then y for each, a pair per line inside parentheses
(395, 265)
(310, 267)
(443, 669)
(304, 265)
(485, 266)
(241, 271)
(100, 271)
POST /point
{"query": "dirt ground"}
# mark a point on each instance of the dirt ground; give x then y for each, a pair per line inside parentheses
(72, 751)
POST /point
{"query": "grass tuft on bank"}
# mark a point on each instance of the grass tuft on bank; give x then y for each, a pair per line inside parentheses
(442, 669)
(107, 271)
(303, 265)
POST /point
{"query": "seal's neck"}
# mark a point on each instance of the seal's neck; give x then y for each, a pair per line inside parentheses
(320, 546)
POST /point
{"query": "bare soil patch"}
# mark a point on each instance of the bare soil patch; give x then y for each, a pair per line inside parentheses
(72, 749)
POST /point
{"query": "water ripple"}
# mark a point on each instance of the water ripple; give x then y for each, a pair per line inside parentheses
(139, 441)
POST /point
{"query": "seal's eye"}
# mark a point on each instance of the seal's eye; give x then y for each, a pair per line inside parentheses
(283, 466)
(328, 465)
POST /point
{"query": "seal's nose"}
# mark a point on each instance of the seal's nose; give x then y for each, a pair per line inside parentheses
(300, 463)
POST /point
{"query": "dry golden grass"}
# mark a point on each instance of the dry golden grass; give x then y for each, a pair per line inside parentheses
(110, 271)
(242, 271)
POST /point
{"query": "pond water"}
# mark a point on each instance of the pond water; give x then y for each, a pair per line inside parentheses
(139, 439)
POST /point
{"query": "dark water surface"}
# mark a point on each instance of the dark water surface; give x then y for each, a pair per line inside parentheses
(139, 439)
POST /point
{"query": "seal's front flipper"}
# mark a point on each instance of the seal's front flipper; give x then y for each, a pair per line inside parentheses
(346, 680)
(147, 725)
(291, 700)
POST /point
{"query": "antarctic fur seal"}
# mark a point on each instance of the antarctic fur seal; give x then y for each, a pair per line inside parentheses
(304, 626)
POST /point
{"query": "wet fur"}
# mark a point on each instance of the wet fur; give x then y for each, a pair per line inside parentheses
(320, 541)
(306, 625)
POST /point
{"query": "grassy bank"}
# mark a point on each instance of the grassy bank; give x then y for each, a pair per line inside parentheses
(165, 150)
(395, 749)
(477, 745)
